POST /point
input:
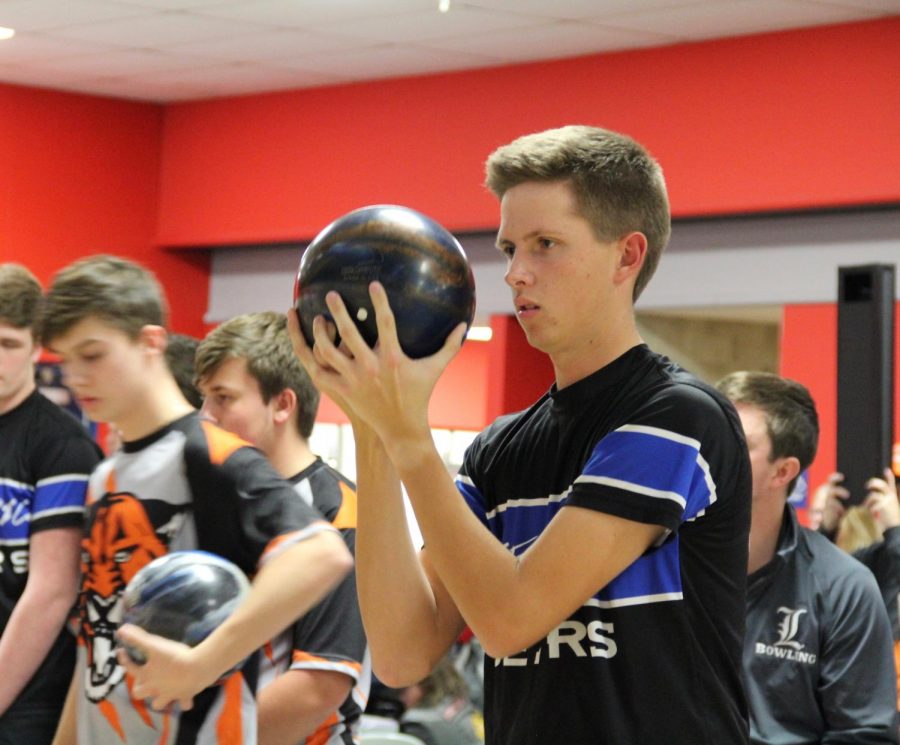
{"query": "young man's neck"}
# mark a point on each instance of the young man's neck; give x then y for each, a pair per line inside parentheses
(290, 453)
(16, 398)
(765, 528)
(587, 359)
(162, 404)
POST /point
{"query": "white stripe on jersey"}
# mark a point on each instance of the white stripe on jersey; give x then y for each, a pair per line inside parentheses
(517, 549)
(360, 692)
(663, 597)
(17, 485)
(304, 490)
(289, 539)
(56, 511)
(659, 432)
(632, 487)
(71, 478)
(710, 484)
(323, 664)
(536, 502)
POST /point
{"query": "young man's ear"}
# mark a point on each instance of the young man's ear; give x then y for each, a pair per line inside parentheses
(285, 405)
(632, 252)
(786, 470)
(154, 338)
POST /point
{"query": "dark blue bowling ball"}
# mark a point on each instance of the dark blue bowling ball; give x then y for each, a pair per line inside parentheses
(423, 268)
(184, 596)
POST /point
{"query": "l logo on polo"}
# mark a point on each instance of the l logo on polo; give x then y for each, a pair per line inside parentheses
(787, 628)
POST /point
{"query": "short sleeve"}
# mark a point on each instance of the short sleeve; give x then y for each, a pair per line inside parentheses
(244, 510)
(653, 468)
(62, 468)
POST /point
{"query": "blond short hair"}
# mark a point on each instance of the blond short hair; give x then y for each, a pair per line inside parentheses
(618, 186)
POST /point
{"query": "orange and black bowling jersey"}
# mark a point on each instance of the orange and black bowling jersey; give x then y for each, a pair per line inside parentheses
(330, 637)
(190, 485)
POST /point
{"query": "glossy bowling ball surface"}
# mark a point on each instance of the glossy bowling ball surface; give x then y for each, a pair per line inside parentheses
(422, 267)
(183, 596)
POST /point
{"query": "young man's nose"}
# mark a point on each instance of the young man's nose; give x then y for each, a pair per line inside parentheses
(518, 273)
(205, 410)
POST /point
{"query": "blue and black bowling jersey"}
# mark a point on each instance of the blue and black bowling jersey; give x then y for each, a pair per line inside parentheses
(655, 656)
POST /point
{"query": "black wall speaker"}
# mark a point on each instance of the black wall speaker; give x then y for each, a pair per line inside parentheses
(865, 401)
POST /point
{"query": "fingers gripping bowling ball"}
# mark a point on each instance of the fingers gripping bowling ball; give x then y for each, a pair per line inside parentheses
(183, 596)
(422, 267)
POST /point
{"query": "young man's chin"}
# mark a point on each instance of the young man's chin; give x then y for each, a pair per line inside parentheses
(93, 408)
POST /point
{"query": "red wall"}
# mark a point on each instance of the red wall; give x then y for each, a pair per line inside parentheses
(781, 121)
(80, 175)
(809, 356)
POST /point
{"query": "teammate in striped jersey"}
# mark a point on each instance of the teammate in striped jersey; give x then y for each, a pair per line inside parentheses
(314, 678)
(45, 459)
(599, 549)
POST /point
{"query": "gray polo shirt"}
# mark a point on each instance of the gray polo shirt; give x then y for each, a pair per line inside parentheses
(818, 652)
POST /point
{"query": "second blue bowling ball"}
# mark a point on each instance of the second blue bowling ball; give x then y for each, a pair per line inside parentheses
(422, 267)
(183, 596)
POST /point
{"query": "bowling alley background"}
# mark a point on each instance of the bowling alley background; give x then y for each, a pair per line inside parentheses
(774, 133)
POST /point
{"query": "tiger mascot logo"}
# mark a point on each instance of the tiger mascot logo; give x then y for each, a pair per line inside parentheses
(121, 539)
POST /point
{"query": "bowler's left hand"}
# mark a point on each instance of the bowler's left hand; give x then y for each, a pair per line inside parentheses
(171, 673)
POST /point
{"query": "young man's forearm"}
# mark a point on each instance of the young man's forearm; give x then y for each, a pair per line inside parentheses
(285, 588)
(31, 632)
(41, 611)
(473, 566)
(407, 625)
(512, 601)
(293, 705)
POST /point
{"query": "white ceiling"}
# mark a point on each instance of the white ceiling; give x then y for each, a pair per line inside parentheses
(175, 50)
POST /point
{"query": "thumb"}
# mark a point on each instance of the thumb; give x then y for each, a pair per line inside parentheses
(137, 642)
(128, 633)
(452, 344)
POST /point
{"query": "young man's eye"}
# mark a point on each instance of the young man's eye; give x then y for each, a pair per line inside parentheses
(547, 242)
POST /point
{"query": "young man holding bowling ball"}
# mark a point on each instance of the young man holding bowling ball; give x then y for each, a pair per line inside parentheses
(595, 543)
(176, 483)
